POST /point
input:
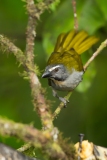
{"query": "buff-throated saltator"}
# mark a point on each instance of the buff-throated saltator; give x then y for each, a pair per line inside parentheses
(64, 68)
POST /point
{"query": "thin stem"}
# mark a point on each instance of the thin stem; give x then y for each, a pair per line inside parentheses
(24, 147)
(60, 107)
(101, 47)
(75, 15)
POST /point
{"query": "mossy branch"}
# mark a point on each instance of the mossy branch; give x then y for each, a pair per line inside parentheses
(9, 47)
(40, 104)
(95, 54)
(38, 139)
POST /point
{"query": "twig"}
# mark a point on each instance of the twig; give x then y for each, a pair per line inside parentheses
(24, 147)
(75, 15)
(101, 47)
(9, 47)
(60, 107)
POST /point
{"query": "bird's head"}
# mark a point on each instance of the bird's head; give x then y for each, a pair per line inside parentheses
(56, 71)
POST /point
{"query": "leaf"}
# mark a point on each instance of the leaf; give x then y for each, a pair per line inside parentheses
(54, 5)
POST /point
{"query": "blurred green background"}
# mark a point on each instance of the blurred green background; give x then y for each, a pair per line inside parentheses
(87, 111)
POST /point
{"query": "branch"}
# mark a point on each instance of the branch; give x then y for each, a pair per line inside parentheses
(40, 104)
(8, 46)
(101, 47)
(36, 10)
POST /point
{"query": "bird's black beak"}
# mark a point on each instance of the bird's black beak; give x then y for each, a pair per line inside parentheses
(46, 74)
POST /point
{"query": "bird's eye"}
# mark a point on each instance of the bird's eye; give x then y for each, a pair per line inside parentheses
(56, 69)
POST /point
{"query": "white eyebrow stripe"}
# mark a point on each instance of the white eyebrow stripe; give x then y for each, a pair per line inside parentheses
(51, 69)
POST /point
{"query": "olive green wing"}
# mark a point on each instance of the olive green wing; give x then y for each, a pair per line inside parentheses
(70, 59)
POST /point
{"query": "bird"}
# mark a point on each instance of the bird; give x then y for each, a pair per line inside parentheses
(64, 69)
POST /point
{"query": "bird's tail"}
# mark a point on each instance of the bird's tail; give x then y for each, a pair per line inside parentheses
(79, 41)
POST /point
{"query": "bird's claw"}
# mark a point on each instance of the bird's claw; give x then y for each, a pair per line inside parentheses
(65, 101)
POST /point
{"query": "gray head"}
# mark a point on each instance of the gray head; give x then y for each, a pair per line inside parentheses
(57, 72)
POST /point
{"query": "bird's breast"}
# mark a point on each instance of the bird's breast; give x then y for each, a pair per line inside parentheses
(69, 84)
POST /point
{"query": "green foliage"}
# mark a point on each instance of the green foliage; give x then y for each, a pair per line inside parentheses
(54, 5)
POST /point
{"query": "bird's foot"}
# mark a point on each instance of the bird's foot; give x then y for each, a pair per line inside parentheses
(65, 101)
